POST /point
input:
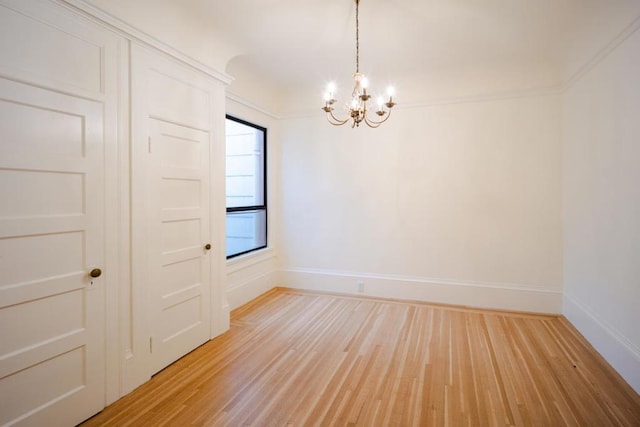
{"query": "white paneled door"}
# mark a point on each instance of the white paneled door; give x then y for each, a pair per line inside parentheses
(172, 232)
(52, 356)
(179, 260)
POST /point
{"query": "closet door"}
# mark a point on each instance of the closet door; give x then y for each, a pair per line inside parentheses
(171, 122)
(179, 261)
(52, 331)
(58, 145)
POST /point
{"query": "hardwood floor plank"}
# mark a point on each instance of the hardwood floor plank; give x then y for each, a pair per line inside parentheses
(308, 359)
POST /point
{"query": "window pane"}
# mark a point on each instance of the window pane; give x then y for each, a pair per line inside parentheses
(246, 231)
(245, 165)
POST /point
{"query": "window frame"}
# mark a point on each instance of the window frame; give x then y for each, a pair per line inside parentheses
(257, 208)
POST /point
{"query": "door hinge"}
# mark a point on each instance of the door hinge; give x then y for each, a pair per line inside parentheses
(150, 344)
(149, 144)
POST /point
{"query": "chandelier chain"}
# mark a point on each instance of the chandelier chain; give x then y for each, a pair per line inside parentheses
(357, 37)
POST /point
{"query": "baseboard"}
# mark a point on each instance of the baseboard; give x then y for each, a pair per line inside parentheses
(221, 321)
(617, 350)
(428, 290)
(251, 288)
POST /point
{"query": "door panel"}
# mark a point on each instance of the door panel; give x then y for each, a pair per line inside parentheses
(51, 313)
(179, 265)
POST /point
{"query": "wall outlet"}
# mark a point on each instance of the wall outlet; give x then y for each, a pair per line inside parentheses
(361, 287)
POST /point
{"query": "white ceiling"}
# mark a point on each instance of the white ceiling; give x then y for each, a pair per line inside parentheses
(295, 44)
(400, 35)
(293, 40)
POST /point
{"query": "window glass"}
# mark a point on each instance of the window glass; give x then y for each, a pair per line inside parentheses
(245, 187)
(246, 231)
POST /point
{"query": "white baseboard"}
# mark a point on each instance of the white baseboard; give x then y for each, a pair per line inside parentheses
(221, 321)
(428, 290)
(251, 289)
(617, 350)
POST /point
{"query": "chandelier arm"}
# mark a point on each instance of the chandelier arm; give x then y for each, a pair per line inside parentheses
(336, 121)
(374, 124)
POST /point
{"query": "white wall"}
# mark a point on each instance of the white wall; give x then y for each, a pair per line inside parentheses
(455, 203)
(602, 207)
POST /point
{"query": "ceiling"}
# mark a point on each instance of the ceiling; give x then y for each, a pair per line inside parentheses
(399, 35)
(296, 45)
(292, 41)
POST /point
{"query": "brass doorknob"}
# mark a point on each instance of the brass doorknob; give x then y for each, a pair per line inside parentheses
(96, 272)
(207, 246)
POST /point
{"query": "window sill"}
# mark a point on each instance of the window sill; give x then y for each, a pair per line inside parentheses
(244, 261)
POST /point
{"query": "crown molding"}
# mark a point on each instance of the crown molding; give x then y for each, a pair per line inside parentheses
(489, 97)
(134, 34)
(249, 104)
(602, 54)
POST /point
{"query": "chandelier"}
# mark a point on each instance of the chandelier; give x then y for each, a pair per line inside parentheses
(358, 108)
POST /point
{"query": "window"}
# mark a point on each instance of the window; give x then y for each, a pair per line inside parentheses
(246, 182)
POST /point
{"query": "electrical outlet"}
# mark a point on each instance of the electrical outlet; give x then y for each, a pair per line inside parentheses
(361, 287)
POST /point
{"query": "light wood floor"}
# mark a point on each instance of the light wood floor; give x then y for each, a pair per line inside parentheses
(298, 358)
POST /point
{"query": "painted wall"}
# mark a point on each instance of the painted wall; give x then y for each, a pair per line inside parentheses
(602, 206)
(456, 203)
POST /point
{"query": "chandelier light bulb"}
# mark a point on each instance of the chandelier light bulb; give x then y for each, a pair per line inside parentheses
(391, 91)
(331, 88)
